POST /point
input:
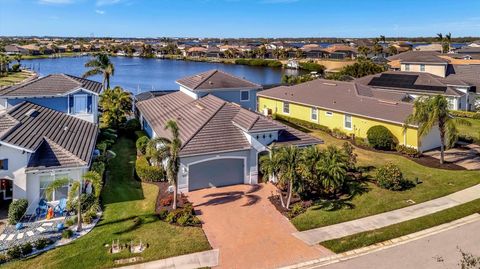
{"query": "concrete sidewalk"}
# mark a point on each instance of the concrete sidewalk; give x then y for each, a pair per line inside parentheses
(190, 261)
(315, 236)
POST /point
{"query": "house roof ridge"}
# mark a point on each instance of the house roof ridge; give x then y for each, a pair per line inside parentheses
(21, 85)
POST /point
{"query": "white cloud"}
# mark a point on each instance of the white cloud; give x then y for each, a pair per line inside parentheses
(98, 11)
(55, 2)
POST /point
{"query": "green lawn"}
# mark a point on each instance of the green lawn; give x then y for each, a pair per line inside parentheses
(436, 183)
(123, 199)
(472, 131)
(14, 77)
(397, 230)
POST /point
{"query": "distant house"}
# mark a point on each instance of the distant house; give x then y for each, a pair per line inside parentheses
(472, 52)
(39, 145)
(68, 94)
(424, 73)
(221, 141)
(347, 106)
(222, 85)
(339, 51)
(314, 51)
(14, 50)
(197, 52)
(214, 52)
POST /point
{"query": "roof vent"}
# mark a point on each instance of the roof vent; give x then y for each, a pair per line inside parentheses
(199, 106)
(329, 84)
(210, 82)
(65, 129)
(32, 113)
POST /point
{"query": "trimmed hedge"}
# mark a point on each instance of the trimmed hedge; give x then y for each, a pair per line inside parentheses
(465, 114)
(259, 62)
(99, 167)
(310, 66)
(380, 137)
(303, 123)
(16, 210)
(390, 177)
(147, 172)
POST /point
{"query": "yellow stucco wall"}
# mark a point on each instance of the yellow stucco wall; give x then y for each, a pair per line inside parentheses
(360, 125)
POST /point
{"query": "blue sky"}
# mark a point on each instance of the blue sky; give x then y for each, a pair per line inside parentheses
(239, 18)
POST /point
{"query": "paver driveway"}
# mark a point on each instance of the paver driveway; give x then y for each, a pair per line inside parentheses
(250, 233)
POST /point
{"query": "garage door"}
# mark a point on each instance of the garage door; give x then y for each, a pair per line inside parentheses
(215, 173)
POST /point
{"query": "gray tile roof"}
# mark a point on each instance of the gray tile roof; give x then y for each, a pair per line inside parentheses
(51, 85)
(342, 97)
(215, 79)
(55, 138)
(209, 124)
(419, 57)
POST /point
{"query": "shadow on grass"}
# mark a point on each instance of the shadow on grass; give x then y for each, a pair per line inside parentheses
(137, 221)
(353, 189)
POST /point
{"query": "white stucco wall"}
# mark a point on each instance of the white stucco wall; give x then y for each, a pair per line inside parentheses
(17, 161)
(430, 141)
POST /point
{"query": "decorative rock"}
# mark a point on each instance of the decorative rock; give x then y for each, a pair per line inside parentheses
(19, 226)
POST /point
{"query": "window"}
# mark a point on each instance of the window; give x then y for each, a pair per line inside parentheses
(422, 68)
(244, 95)
(407, 67)
(329, 113)
(80, 104)
(314, 115)
(59, 193)
(286, 108)
(348, 122)
(4, 164)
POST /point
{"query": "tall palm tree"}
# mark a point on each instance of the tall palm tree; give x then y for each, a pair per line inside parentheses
(75, 190)
(101, 64)
(290, 159)
(167, 150)
(308, 168)
(4, 62)
(433, 112)
(383, 39)
(116, 104)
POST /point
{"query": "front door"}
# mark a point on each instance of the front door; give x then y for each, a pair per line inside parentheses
(6, 189)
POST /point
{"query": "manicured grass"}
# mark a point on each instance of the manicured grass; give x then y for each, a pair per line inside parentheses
(472, 131)
(436, 183)
(14, 77)
(124, 199)
(397, 230)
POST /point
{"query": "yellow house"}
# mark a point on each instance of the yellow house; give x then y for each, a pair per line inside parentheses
(349, 107)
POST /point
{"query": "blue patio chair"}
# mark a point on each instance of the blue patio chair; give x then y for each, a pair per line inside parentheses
(42, 208)
(61, 207)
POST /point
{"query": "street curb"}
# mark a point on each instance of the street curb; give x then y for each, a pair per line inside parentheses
(384, 245)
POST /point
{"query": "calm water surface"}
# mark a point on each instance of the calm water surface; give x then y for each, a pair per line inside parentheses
(140, 74)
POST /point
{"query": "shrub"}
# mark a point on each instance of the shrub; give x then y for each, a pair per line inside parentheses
(296, 210)
(16, 210)
(132, 125)
(3, 258)
(42, 243)
(14, 252)
(71, 221)
(86, 200)
(339, 134)
(302, 123)
(409, 151)
(259, 62)
(99, 167)
(166, 201)
(15, 67)
(26, 249)
(142, 144)
(183, 217)
(67, 234)
(390, 177)
(311, 66)
(162, 215)
(380, 137)
(147, 172)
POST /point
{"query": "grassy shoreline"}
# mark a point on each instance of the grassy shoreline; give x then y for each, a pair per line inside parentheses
(15, 77)
(397, 230)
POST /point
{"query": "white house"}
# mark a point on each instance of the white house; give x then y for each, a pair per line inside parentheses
(38, 145)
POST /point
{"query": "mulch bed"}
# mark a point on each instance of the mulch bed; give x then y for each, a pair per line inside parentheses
(163, 194)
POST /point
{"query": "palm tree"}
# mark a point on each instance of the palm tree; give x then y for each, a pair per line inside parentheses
(383, 39)
(290, 159)
(308, 168)
(392, 50)
(433, 112)
(4, 61)
(101, 64)
(167, 150)
(116, 104)
(270, 165)
(448, 40)
(18, 58)
(364, 50)
(75, 190)
(333, 167)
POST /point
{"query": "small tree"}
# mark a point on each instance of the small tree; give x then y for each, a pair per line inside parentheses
(116, 105)
(380, 137)
(333, 169)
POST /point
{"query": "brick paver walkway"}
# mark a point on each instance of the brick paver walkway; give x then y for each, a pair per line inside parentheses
(315, 236)
(247, 229)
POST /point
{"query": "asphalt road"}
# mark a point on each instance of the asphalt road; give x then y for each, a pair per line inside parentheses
(439, 251)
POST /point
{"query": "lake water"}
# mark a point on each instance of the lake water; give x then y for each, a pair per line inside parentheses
(141, 74)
